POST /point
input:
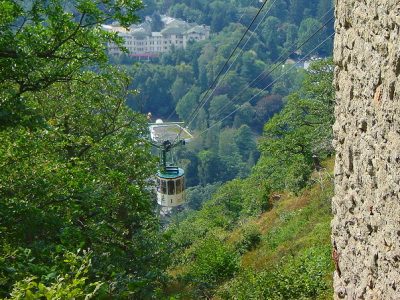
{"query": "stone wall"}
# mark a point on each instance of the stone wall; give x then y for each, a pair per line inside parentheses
(366, 206)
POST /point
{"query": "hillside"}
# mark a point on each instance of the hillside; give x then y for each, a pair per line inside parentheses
(77, 213)
(251, 90)
(285, 253)
(267, 236)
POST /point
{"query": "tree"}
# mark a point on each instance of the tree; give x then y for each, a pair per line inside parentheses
(42, 44)
(70, 285)
(300, 133)
(218, 21)
(227, 146)
(296, 10)
(245, 142)
(220, 107)
(245, 115)
(213, 263)
(188, 103)
(156, 22)
(273, 36)
(81, 181)
(291, 37)
(307, 27)
(323, 7)
(178, 89)
(209, 168)
(80, 160)
(196, 196)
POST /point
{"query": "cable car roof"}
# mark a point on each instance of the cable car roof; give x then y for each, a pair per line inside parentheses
(169, 174)
(161, 132)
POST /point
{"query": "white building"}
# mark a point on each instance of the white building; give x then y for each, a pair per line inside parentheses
(141, 42)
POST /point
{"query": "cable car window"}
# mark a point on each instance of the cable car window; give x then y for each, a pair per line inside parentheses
(163, 187)
(158, 185)
(178, 186)
(171, 187)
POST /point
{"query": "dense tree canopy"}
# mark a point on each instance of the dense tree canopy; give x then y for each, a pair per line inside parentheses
(229, 226)
(75, 160)
(254, 86)
(77, 217)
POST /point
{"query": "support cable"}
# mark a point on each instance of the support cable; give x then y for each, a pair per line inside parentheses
(225, 64)
(249, 101)
(231, 65)
(241, 17)
(264, 75)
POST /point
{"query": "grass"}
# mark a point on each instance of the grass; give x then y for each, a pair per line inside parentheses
(295, 224)
(295, 228)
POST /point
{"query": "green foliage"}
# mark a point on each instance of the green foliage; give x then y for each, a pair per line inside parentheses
(71, 285)
(297, 138)
(196, 196)
(81, 181)
(166, 90)
(187, 103)
(42, 44)
(307, 27)
(211, 262)
(75, 159)
(291, 256)
(298, 277)
(295, 247)
(250, 238)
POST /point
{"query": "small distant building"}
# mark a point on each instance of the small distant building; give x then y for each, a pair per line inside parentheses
(142, 42)
(303, 64)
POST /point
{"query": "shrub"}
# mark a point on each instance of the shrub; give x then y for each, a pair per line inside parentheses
(251, 237)
(212, 263)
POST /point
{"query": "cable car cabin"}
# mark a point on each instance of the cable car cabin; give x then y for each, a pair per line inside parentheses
(171, 187)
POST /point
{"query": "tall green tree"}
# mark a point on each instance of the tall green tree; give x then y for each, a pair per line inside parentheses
(300, 135)
(42, 43)
(74, 158)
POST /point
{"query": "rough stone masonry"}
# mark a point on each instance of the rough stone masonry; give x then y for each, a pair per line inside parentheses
(366, 205)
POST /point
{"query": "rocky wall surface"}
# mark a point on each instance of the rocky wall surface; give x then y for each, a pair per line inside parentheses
(366, 205)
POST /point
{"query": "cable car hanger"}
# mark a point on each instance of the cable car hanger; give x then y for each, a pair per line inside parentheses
(170, 178)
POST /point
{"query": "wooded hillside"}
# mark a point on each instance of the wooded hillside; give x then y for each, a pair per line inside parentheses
(77, 212)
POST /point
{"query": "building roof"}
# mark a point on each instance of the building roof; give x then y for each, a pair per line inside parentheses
(172, 27)
(176, 27)
(200, 29)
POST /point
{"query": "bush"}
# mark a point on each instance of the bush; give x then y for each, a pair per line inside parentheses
(71, 285)
(212, 262)
(299, 277)
(250, 238)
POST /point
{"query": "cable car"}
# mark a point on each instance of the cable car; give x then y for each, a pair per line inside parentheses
(171, 186)
(170, 178)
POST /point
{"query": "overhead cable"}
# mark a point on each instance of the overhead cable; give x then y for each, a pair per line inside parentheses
(280, 59)
(241, 17)
(225, 64)
(231, 65)
(249, 101)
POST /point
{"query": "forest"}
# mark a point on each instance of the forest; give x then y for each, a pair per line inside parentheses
(252, 89)
(78, 219)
